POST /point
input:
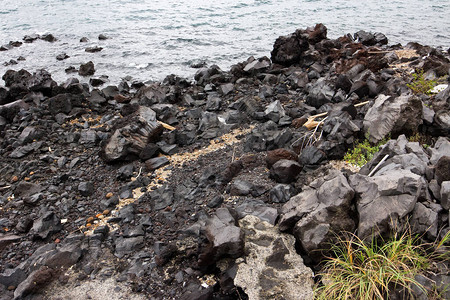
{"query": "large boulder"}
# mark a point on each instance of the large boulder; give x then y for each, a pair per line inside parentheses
(289, 50)
(320, 93)
(384, 200)
(391, 115)
(272, 269)
(285, 171)
(321, 210)
(131, 135)
(225, 238)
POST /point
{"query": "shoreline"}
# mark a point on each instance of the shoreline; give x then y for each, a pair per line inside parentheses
(140, 182)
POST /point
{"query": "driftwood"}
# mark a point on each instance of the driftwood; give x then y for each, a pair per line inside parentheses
(312, 123)
(167, 126)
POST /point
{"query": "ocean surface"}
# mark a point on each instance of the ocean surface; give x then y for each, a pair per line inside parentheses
(149, 39)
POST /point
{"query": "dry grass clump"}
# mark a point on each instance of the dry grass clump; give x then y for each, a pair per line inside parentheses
(373, 270)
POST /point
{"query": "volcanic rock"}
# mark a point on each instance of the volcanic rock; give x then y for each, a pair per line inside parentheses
(384, 200)
(318, 212)
(285, 171)
(134, 132)
(393, 115)
(272, 269)
(224, 238)
(87, 69)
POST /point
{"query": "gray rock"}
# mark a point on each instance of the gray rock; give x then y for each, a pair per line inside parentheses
(366, 38)
(86, 188)
(28, 134)
(213, 103)
(257, 65)
(150, 150)
(259, 209)
(393, 115)
(281, 193)
(88, 137)
(13, 277)
(162, 197)
(34, 282)
(7, 239)
(87, 69)
(441, 148)
(285, 171)
(137, 130)
(318, 212)
(311, 156)
(384, 200)
(407, 155)
(93, 49)
(61, 103)
(424, 219)
(96, 98)
(65, 256)
(62, 56)
(224, 238)
(240, 188)
(46, 225)
(110, 91)
(442, 122)
(215, 202)
(298, 79)
(427, 114)
(34, 199)
(442, 169)
(275, 111)
(21, 151)
(125, 172)
(156, 163)
(445, 194)
(25, 189)
(272, 269)
(320, 93)
(128, 245)
(226, 88)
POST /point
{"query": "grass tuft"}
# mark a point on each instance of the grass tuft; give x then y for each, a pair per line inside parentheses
(372, 270)
(420, 85)
(362, 152)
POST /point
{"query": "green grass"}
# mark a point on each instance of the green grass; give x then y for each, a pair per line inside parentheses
(363, 152)
(419, 85)
(372, 270)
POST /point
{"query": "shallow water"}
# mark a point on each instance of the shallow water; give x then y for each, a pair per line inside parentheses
(150, 39)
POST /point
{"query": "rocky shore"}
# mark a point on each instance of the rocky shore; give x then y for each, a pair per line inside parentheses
(230, 186)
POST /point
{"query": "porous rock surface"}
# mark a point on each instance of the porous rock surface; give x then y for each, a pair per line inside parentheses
(272, 269)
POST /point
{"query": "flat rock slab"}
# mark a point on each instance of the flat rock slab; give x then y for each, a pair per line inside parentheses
(272, 268)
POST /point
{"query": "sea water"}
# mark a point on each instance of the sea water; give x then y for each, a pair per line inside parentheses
(149, 39)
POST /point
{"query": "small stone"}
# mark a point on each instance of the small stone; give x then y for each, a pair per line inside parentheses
(106, 212)
(90, 220)
(14, 178)
(109, 195)
(86, 188)
(86, 69)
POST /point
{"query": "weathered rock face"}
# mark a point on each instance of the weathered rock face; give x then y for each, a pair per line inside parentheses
(87, 69)
(225, 239)
(393, 115)
(321, 210)
(384, 200)
(134, 132)
(271, 268)
(285, 171)
(289, 49)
